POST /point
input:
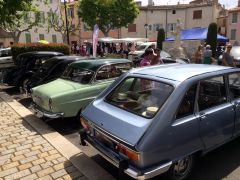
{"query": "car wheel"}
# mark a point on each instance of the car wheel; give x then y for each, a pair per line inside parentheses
(24, 85)
(181, 169)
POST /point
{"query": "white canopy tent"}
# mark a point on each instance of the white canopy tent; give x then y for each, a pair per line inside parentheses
(122, 40)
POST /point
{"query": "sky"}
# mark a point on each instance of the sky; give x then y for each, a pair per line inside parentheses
(228, 3)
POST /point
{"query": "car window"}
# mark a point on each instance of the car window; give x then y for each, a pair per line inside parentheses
(234, 85)
(212, 92)
(112, 71)
(140, 96)
(186, 107)
(59, 68)
(75, 74)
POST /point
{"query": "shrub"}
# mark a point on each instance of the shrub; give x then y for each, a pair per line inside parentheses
(29, 47)
(212, 37)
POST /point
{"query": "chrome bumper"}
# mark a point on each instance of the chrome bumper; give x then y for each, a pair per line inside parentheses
(141, 175)
(41, 113)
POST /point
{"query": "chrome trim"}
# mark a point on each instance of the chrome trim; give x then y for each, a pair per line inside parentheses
(149, 174)
(130, 171)
(107, 134)
(41, 113)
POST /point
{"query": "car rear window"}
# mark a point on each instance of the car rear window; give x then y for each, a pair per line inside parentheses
(82, 76)
(140, 96)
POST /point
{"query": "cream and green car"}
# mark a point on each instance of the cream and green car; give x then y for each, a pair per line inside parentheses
(81, 82)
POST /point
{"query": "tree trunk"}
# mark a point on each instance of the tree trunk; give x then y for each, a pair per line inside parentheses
(64, 37)
(16, 36)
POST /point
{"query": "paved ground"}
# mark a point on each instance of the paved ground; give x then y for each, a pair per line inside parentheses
(222, 163)
(35, 151)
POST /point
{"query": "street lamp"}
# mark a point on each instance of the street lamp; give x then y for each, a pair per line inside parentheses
(65, 7)
(146, 28)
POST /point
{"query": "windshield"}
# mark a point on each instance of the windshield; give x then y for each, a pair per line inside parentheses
(164, 54)
(82, 76)
(235, 51)
(140, 96)
(140, 48)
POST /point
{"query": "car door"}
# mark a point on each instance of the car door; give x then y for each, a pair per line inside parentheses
(216, 113)
(234, 92)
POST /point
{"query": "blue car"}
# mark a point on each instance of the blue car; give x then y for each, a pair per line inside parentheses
(159, 119)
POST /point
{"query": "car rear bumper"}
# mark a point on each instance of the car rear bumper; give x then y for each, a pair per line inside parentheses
(116, 161)
(42, 113)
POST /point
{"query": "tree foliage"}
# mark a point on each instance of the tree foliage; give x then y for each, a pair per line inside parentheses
(212, 37)
(107, 14)
(23, 21)
(9, 9)
(160, 38)
(57, 22)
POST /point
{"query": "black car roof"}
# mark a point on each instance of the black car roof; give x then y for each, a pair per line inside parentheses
(42, 53)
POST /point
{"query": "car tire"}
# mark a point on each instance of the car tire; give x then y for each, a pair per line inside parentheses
(24, 84)
(182, 169)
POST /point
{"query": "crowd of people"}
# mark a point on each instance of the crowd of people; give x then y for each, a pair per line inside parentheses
(204, 55)
(103, 49)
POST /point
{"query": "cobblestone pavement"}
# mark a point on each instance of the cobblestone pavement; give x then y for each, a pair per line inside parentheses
(25, 154)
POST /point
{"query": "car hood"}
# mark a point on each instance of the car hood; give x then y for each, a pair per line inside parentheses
(57, 87)
(119, 123)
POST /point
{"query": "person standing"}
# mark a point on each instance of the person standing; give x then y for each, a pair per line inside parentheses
(156, 59)
(207, 55)
(148, 55)
(227, 59)
(197, 57)
(77, 49)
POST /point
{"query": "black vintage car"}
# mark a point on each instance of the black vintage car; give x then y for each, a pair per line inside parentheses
(26, 65)
(51, 70)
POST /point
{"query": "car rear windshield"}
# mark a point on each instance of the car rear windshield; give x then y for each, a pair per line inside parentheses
(82, 76)
(140, 96)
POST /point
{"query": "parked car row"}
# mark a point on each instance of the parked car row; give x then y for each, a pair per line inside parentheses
(146, 121)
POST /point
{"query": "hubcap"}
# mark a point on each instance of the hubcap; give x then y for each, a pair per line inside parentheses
(182, 167)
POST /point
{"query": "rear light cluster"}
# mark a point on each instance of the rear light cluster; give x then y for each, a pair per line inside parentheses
(134, 156)
(85, 124)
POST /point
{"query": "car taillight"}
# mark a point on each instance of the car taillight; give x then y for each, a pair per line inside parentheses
(85, 124)
(50, 103)
(128, 152)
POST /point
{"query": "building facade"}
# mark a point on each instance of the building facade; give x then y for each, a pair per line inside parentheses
(42, 31)
(234, 25)
(199, 13)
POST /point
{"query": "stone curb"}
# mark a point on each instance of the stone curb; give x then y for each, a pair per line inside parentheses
(83, 163)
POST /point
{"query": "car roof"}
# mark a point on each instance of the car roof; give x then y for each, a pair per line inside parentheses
(70, 58)
(41, 53)
(94, 64)
(178, 72)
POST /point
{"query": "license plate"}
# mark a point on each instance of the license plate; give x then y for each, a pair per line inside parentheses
(107, 142)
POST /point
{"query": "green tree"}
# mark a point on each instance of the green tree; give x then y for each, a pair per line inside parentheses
(57, 22)
(107, 14)
(23, 21)
(160, 38)
(9, 9)
(212, 37)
